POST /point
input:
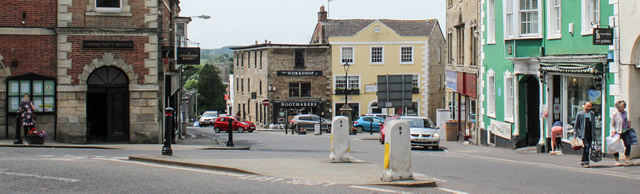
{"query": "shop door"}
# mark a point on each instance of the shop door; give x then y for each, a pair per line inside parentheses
(108, 106)
(531, 101)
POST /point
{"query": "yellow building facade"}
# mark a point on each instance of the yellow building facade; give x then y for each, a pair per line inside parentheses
(384, 47)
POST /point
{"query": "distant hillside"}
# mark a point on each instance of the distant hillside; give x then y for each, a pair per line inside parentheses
(216, 55)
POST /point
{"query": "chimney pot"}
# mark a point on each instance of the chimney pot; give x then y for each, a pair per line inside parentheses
(322, 14)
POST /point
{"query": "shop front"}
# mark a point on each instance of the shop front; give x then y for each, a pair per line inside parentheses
(569, 87)
(286, 110)
(461, 100)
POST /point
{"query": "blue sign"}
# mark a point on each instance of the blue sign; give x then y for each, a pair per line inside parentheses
(452, 80)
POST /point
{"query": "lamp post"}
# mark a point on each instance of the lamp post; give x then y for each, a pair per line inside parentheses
(346, 109)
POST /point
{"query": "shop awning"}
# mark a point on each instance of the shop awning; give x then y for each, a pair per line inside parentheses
(569, 68)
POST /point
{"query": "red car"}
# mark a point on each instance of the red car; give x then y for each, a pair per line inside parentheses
(222, 124)
(382, 128)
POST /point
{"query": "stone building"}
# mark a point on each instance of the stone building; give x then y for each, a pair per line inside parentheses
(93, 67)
(290, 79)
(463, 40)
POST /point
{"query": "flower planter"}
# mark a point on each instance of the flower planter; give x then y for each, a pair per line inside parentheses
(35, 139)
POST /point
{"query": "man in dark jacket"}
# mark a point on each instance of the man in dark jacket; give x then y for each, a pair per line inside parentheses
(585, 126)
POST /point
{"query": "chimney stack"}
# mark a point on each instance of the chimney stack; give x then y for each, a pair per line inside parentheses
(322, 14)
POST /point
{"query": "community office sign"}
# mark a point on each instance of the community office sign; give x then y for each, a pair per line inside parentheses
(107, 44)
(189, 55)
(299, 73)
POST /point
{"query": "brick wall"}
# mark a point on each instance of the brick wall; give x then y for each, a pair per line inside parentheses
(81, 56)
(38, 13)
(34, 54)
(80, 18)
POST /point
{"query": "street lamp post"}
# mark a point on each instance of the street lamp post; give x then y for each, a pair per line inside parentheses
(346, 109)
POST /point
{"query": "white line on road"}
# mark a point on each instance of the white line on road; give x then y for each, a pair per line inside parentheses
(374, 189)
(237, 175)
(450, 190)
(40, 176)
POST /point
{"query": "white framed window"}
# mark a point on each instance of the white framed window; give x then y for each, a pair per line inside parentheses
(522, 19)
(554, 23)
(347, 55)
(108, 5)
(377, 55)
(415, 81)
(406, 55)
(508, 96)
(590, 16)
(353, 80)
(491, 22)
(491, 93)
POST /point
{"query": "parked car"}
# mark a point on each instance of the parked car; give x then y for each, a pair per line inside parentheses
(207, 118)
(423, 132)
(365, 123)
(382, 128)
(380, 115)
(222, 124)
(308, 122)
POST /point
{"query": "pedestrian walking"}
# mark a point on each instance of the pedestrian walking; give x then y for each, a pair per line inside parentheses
(26, 110)
(620, 124)
(584, 126)
(555, 131)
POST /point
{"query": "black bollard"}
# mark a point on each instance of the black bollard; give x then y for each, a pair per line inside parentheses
(230, 131)
(18, 139)
(168, 123)
(371, 128)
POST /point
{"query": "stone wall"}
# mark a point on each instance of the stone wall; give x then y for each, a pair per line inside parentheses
(72, 125)
(143, 116)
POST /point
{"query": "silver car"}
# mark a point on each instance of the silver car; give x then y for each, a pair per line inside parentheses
(423, 132)
(308, 122)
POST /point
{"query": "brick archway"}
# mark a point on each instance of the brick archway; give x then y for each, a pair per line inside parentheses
(108, 60)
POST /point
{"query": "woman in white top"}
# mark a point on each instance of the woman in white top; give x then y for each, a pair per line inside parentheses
(620, 124)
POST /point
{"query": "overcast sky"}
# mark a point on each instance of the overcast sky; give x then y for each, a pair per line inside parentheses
(242, 22)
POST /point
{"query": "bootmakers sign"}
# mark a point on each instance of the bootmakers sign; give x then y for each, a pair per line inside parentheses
(189, 55)
(299, 104)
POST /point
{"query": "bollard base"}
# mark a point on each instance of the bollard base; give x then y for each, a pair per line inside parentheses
(390, 175)
(167, 151)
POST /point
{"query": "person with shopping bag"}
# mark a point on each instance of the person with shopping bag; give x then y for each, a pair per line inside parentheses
(584, 126)
(620, 125)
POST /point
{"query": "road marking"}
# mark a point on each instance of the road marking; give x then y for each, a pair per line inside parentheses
(585, 170)
(374, 189)
(2, 171)
(450, 190)
(237, 175)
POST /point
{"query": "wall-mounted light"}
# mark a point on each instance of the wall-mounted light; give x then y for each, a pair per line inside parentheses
(24, 18)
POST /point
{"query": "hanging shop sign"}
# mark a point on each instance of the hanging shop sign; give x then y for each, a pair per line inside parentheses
(299, 73)
(107, 44)
(189, 55)
(603, 36)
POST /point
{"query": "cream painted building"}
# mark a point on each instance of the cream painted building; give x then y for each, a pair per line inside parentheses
(626, 65)
(375, 47)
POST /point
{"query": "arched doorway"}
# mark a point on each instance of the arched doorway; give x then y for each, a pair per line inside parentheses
(107, 105)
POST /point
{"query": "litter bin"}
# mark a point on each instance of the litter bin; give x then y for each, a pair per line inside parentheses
(451, 130)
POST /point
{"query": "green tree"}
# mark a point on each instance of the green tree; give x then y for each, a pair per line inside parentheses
(211, 90)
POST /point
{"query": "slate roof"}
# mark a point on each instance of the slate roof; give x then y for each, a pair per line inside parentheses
(350, 27)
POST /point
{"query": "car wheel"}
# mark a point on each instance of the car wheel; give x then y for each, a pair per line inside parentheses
(217, 130)
(360, 129)
(240, 130)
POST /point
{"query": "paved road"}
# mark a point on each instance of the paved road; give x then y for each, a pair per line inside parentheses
(475, 169)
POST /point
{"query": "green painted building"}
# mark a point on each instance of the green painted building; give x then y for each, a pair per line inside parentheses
(540, 65)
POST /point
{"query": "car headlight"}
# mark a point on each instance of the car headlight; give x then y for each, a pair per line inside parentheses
(436, 135)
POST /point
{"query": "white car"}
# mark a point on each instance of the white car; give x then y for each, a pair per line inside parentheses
(208, 118)
(423, 132)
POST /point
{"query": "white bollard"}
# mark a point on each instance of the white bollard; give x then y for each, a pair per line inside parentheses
(340, 147)
(316, 128)
(397, 151)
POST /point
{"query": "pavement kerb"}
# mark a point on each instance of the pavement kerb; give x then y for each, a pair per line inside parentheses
(227, 148)
(55, 146)
(414, 183)
(189, 164)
